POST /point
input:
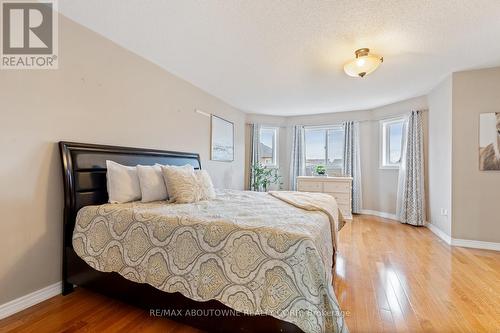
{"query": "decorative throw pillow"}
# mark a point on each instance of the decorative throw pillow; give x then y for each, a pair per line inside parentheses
(182, 183)
(122, 182)
(205, 185)
(153, 186)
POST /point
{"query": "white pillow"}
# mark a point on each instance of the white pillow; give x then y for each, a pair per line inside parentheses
(123, 183)
(205, 185)
(182, 183)
(151, 182)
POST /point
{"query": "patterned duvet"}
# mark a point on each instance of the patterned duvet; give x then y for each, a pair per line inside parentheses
(251, 251)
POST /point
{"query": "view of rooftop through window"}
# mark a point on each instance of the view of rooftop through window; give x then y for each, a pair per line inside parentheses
(267, 147)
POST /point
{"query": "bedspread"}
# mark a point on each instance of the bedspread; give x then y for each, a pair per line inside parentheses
(251, 251)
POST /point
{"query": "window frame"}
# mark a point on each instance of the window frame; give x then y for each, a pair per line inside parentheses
(325, 128)
(384, 142)
(275, 147)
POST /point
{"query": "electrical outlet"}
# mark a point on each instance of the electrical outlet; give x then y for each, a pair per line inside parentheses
(444, 211)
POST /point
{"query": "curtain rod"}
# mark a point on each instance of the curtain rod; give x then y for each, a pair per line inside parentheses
(394, 116)
(339, 122)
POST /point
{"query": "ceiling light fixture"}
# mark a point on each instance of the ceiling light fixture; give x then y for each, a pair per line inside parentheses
(365, 63)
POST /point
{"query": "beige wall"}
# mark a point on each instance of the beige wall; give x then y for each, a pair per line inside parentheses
(476, 194)
(440, 138)
(379, 185)
(101, 94)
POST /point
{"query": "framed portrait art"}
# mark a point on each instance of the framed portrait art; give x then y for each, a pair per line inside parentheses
(222, 139)
(489, 141)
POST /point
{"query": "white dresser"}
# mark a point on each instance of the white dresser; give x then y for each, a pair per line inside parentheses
(339, 187)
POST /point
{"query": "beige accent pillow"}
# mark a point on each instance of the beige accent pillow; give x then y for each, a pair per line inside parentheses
(182, 183)
(206, 187)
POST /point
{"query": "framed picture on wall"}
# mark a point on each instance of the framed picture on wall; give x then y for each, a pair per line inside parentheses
(489, 141)
(222, 139)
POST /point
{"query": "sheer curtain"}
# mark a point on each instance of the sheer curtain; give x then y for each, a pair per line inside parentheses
(298, 158)
(352, 162)
(411, 196)
(254, 149)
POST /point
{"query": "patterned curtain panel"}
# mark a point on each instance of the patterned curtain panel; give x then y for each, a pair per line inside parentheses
(411, 196)
(352, 162)
(254, 149)
(298, 158)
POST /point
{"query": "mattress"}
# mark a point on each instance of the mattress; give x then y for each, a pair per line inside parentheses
(250, 251)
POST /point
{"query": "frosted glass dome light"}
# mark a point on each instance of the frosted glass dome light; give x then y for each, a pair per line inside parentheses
(365, 63)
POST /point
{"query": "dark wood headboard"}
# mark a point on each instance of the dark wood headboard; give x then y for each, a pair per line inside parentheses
(84, 173)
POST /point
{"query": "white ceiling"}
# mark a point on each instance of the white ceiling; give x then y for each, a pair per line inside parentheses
(286, 57)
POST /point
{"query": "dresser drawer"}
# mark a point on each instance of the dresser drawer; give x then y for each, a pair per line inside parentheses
(346, 197)
(342, 198)
(337, 187)
(307, 186)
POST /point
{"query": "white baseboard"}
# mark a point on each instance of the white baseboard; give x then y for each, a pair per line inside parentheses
(440, 233)
(379, 214)
(31, 299)
(475, 244)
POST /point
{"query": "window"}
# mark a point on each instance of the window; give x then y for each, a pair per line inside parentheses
(325, 146)
(391, 143)
(268, 147)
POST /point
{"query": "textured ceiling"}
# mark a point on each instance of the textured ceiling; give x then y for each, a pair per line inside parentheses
(286, 57)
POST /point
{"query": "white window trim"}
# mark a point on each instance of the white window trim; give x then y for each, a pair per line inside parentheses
(276, 158)
(383, 125)
(325, 128)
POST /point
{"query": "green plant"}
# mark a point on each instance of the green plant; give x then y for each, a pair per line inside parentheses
(320, 169)
(263, 177)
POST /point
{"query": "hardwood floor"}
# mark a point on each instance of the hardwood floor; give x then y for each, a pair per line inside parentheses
(389, 278)
(398, 278)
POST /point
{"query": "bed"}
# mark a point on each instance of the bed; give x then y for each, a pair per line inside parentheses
(257, 259)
